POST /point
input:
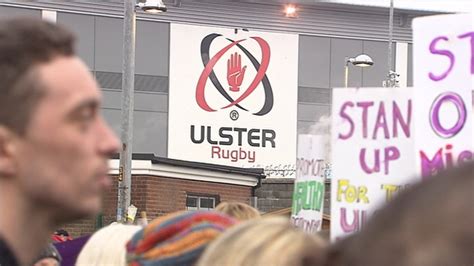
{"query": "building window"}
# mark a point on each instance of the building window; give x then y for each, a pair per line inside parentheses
(201, 202)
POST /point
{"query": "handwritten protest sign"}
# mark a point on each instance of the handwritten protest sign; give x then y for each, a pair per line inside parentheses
(372, 148)
(443, 77)
(308, 195)
(382, 137)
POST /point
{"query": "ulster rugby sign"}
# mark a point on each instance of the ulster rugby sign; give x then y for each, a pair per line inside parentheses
(233, 97)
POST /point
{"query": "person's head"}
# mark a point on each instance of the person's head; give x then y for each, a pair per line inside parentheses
(429, 224)
(61, 235)
(61, 232)
(48, 257)
(107, 246)
(176, 239)
(238, 210)
(267, 241)
(54, 143)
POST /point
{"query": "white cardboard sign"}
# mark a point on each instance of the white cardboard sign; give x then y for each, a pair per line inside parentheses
(444, 79)
(308, 194)
(372, 153)
(384, 139)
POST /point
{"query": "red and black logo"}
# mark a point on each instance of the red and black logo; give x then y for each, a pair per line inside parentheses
(235, 74)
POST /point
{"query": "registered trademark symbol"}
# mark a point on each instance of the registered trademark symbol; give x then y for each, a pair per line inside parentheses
(234, 115)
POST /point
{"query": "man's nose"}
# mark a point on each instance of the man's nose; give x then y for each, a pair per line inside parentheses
(109, 143)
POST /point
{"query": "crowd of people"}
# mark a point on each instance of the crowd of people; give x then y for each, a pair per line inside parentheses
(429, 224)
(54, 148)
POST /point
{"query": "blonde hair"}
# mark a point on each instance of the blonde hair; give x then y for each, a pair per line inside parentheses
(238, 210)
(107, 246)
(267, 241)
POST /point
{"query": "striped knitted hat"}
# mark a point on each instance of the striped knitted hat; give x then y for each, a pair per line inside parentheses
(176, 239)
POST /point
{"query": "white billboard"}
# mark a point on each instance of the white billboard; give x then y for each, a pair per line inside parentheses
(233, 97)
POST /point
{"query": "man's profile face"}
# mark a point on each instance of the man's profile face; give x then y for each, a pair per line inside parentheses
(62, 159)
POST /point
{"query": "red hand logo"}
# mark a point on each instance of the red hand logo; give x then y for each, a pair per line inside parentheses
(235, 72)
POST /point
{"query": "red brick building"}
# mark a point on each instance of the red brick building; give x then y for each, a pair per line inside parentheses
(162, 185)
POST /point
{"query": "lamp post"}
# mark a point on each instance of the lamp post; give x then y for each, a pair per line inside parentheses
(361, 60)
(390, 37)
(392, 76)
(128, 88)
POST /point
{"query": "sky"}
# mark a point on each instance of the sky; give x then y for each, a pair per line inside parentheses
(432, 5)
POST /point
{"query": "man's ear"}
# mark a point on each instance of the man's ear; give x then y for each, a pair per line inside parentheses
(7, 152)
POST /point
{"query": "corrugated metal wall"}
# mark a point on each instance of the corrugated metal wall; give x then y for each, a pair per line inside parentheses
(328, 34)
(323, 19)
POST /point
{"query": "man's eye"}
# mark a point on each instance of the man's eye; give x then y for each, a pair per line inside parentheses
(84, 119)
(87, 116)
(85, 124)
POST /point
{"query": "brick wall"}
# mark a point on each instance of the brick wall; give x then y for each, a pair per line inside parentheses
(80, 227)
(274, 194)
(158, 196)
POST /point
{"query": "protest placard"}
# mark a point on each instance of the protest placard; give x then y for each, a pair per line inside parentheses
(386, 139)
(443, 79)
(308, 195)
(372, 153)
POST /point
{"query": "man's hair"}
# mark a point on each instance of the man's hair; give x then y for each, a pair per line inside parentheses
(107, 246)
(24, 44)
(429, 224)
(61, 232)
(238, 210)
(266, 241)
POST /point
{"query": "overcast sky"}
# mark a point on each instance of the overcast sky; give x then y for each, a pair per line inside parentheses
(433, 5)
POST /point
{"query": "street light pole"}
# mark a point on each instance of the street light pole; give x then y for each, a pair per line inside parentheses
(390, 37)
(392, 76)
(128, 83)
(346, 73)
